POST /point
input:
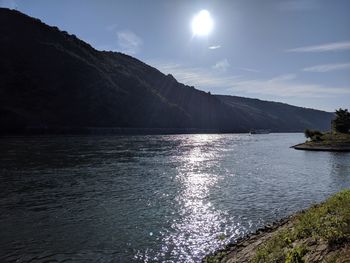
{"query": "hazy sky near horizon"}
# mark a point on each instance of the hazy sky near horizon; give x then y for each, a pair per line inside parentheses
(293, 51)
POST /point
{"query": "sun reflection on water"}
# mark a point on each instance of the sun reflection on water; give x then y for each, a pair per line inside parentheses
(200, 225)
(197, 226)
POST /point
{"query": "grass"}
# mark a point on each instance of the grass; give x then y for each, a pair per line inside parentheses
(331, 138)
(215, 258)
(328, 223)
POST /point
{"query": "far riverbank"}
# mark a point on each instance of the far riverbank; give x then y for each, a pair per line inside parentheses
(333, 142)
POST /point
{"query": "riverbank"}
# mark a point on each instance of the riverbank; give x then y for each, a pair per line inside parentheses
(322, 147)
(336, 142)
(318, 234)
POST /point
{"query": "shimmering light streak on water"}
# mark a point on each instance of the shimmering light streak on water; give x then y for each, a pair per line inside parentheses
(200, 222)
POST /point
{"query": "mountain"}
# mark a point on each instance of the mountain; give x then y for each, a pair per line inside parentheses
(279, 116)
(51, 79)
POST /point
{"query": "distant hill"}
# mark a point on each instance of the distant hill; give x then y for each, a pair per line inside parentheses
(50, 79)
(279, 116)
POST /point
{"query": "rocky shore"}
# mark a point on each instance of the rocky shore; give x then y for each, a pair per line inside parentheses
(243, 250)
(318, 234)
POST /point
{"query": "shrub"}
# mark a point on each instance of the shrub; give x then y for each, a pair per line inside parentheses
(296, 254)
(307, 133)
(314, 135)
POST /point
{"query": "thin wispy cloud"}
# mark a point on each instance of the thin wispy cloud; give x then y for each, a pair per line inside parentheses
(129, 42)
(335, 46)
(288, 86)
(222, 65)
(214, 47)
(249, 70)
(327, 67)
(282, 86)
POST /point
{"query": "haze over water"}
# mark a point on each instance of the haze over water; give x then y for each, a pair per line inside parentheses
(171, 198)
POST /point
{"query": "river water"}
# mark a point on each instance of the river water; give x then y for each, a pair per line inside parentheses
(170, 198)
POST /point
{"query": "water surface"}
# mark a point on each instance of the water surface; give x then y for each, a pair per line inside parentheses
(168, 198)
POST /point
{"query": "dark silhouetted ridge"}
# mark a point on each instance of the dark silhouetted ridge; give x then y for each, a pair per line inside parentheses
(53, 80)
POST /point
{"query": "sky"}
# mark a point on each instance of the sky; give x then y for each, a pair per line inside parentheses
(292, 51)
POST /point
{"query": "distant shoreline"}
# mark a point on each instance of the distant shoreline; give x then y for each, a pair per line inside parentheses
(321, 147)
(119, 131)
(329, 141)
(104, 131)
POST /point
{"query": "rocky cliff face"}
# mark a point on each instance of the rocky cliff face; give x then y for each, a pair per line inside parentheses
(52, 79)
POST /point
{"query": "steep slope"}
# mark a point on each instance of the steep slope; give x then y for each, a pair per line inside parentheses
(279, 116)
(52, 79)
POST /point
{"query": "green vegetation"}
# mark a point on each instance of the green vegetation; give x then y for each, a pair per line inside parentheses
(339, 136)
(328, 224)
(215, 258)
(296, 254)
(341, 123)
(319, 234)
(328, 138)
(313, 135)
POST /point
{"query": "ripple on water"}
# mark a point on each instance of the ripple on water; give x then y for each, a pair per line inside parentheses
(170, 198)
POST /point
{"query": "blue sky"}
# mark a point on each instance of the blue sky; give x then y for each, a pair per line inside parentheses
(293, 51)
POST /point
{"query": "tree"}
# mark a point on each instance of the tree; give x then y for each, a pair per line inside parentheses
(341, 123)
(313, 135)
(308, 133)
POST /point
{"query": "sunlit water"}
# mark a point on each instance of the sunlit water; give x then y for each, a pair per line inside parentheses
(152, 198)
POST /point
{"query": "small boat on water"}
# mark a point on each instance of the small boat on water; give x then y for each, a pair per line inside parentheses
(259, 131)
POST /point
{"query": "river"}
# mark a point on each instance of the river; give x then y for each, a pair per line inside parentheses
(170, 198)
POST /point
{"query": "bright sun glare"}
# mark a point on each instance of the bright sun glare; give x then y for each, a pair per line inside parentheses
(202, 23)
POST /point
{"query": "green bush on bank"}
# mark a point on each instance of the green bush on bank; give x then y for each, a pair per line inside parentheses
(313, 135)
(329, 222)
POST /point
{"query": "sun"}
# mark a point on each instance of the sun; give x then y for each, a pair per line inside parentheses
(202, 23)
